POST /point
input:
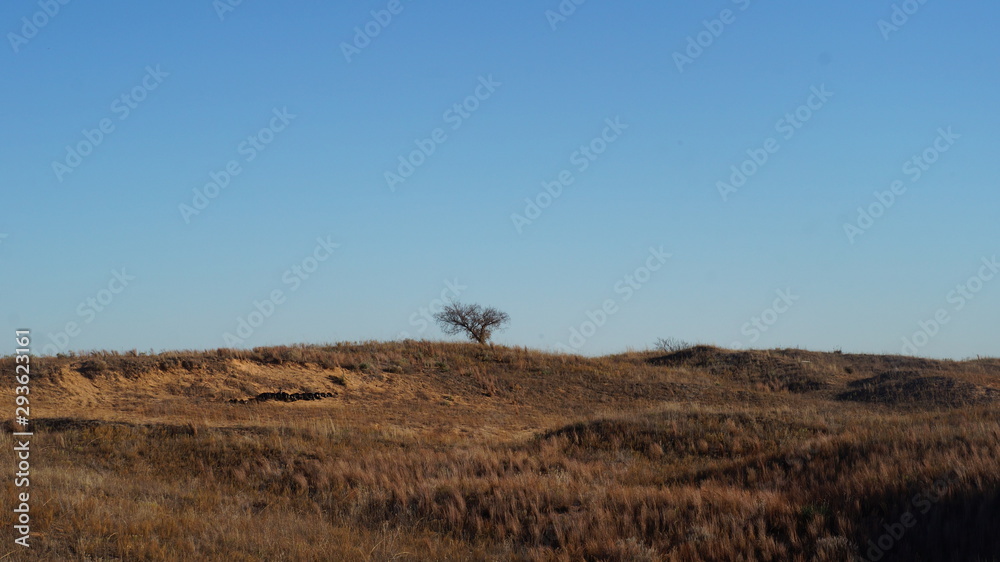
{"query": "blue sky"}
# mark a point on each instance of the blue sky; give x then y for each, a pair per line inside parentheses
(187, 89)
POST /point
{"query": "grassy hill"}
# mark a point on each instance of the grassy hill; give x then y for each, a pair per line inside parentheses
(435, 451)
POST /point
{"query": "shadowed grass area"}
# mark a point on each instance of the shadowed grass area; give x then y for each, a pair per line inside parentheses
(433, 451)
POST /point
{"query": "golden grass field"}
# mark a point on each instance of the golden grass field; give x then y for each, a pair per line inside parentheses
(440, 451)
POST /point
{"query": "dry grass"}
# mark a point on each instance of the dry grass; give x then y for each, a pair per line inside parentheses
(432, 451)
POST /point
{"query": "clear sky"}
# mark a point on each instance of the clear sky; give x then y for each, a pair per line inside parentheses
(236, 139)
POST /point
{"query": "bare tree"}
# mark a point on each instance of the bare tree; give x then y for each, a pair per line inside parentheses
(474, 321)
(671, 345)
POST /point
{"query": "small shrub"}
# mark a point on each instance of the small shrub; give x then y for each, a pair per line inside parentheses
(671, 345)
(92, 368)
